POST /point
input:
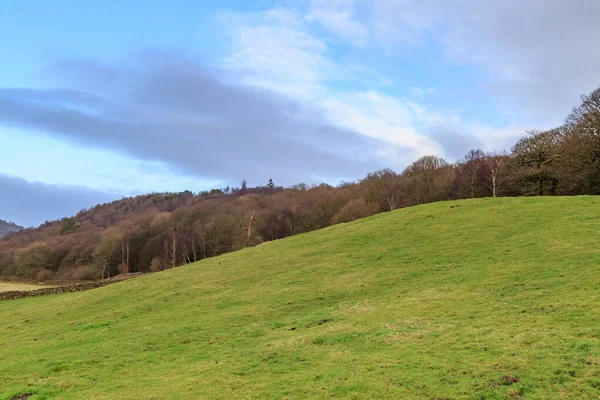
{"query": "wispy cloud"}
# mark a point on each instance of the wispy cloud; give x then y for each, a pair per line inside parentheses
(170, 109)
(339, 17)
(422, 92)
(531, 74)
(536, 55)
(280, 50)
(272, 50)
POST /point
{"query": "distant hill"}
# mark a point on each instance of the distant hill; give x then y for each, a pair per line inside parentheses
(7, 227)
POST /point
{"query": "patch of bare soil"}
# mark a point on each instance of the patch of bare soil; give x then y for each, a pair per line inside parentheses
(505, 380)
(23, 396)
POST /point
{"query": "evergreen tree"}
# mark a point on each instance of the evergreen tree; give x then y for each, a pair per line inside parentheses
(69, 226)
(271, 186)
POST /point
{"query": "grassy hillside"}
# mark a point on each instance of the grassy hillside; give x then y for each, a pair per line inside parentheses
(485, 299)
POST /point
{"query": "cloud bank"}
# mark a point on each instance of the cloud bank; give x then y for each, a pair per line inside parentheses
(536, 56)
(296, 97)
(167, 108)
(32, 203)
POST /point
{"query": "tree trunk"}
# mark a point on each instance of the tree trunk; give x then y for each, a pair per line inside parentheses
(494, 170)
(127, 255)
(249, 228)
(392, 202)
(473, 179)
(173, 250)
(194, 250)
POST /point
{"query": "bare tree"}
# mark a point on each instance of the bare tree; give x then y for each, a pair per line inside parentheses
(173, 249)
(587, 116)
(382, 189)
(495, 164)
(249, 228)
(429, 179)
(536, 154)
(582, 145)
(125, 247)
(470, 172)
(393, 201)
(194, 249)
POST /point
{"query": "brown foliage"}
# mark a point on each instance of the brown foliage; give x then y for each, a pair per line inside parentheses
(44, 275)
(354, 209)
(86, 273)
(163, 230)
(157, 264)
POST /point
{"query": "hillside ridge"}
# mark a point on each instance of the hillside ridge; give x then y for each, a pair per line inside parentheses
(158, 231)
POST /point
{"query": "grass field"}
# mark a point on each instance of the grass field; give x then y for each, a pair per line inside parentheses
(476, 299)
(19, 286)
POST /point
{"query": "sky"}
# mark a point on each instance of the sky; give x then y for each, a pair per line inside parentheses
(105, 99)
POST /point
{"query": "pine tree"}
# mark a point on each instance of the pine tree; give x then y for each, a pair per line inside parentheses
(69, 226)
(271, 186)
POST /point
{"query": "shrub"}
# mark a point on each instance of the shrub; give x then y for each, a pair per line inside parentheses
(31, 259)
(86, 273)
(44, 275)
(354, 209)
(123, 268)
(157, 264)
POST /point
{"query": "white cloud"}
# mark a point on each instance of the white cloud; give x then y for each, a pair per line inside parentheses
(496, 139)
(538, 56)
(398, 22)
(274, 52)
(538, 53)
(339, 18)
(381, 117)
(528, 70)
(421, 92)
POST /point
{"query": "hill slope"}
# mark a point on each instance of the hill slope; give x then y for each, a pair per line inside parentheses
(7, 227)
(472, 299)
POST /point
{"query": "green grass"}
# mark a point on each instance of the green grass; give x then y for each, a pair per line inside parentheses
(481, 299)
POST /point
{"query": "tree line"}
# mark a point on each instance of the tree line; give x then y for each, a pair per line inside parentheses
(160, 231)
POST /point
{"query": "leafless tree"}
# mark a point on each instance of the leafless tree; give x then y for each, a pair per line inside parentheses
(495, 163)
(249, 227)
(537, 154)
(470, 170)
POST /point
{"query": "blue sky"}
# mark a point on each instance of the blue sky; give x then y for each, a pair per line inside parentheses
(103, 99)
